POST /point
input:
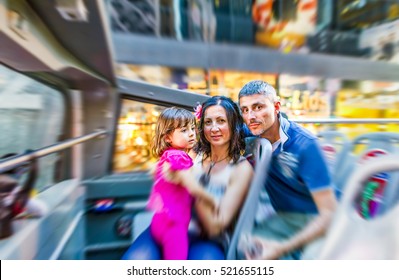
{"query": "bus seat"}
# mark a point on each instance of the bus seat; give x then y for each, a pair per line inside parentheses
(258, 151)
(361, 149)
(141, 221)
(32, 239)
(333, 144)
(350, 235)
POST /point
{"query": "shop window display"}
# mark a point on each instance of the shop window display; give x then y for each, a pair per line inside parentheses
(192, 79)
(138, 16)
(136, 126)
(305, 97)
(284, 24)
(382, 41)
(357, 15)
(367, 99)
(229, 83)
(316, 98)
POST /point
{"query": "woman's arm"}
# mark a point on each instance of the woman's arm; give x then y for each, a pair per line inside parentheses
(214, 222)
(184, 178)
(196, 190)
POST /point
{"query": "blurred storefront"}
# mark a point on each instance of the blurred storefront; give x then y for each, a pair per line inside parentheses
(315, 98)
(324, 26)
(307, 97)
(367, 99)
(229, 83)
(136, 128)
(284, 24)
(304, 97)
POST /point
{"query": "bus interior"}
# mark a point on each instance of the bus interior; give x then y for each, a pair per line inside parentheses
(82, 83)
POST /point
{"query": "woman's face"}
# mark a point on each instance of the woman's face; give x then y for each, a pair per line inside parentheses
(216, 126)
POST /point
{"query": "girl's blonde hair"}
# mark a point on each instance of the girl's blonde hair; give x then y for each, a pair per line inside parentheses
(169, 120)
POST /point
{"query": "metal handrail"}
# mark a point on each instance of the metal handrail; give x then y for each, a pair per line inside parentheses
(346, 121)
(10, 163)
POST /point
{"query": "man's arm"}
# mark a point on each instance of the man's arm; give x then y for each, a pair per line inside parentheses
(326, 203)
(314, 173)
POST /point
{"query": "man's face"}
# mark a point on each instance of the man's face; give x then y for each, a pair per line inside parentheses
(259, 113)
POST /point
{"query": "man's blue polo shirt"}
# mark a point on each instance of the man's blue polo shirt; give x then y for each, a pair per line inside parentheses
(297, 169)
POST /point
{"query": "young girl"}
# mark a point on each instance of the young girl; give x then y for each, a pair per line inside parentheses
(174, 137)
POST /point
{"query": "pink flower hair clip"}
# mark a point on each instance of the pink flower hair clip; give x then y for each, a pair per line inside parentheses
(198, 111)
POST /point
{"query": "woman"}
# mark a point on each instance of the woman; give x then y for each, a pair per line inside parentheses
(222, 171)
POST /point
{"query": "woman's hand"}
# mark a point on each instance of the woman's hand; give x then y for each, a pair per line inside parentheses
(209, 200)
(229, 205)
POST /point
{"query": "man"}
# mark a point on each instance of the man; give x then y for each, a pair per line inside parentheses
(298, 184)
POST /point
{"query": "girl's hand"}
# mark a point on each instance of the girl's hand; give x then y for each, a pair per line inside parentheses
(169, 174)
(151, 170)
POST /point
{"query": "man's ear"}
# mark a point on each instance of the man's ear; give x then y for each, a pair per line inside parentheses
(277, 106)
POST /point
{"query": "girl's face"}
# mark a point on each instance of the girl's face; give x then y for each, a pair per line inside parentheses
(182, 138)
(216, 126)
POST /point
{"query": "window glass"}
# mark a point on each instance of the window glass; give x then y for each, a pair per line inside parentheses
(136, 127)
(229, 82)
(367, 99)
(304, 96)
(355, 15)
(318, 98)
(191, 79)
(32, 117)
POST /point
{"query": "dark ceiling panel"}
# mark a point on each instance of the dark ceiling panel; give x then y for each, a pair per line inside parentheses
(160, 95)
(87, 41)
